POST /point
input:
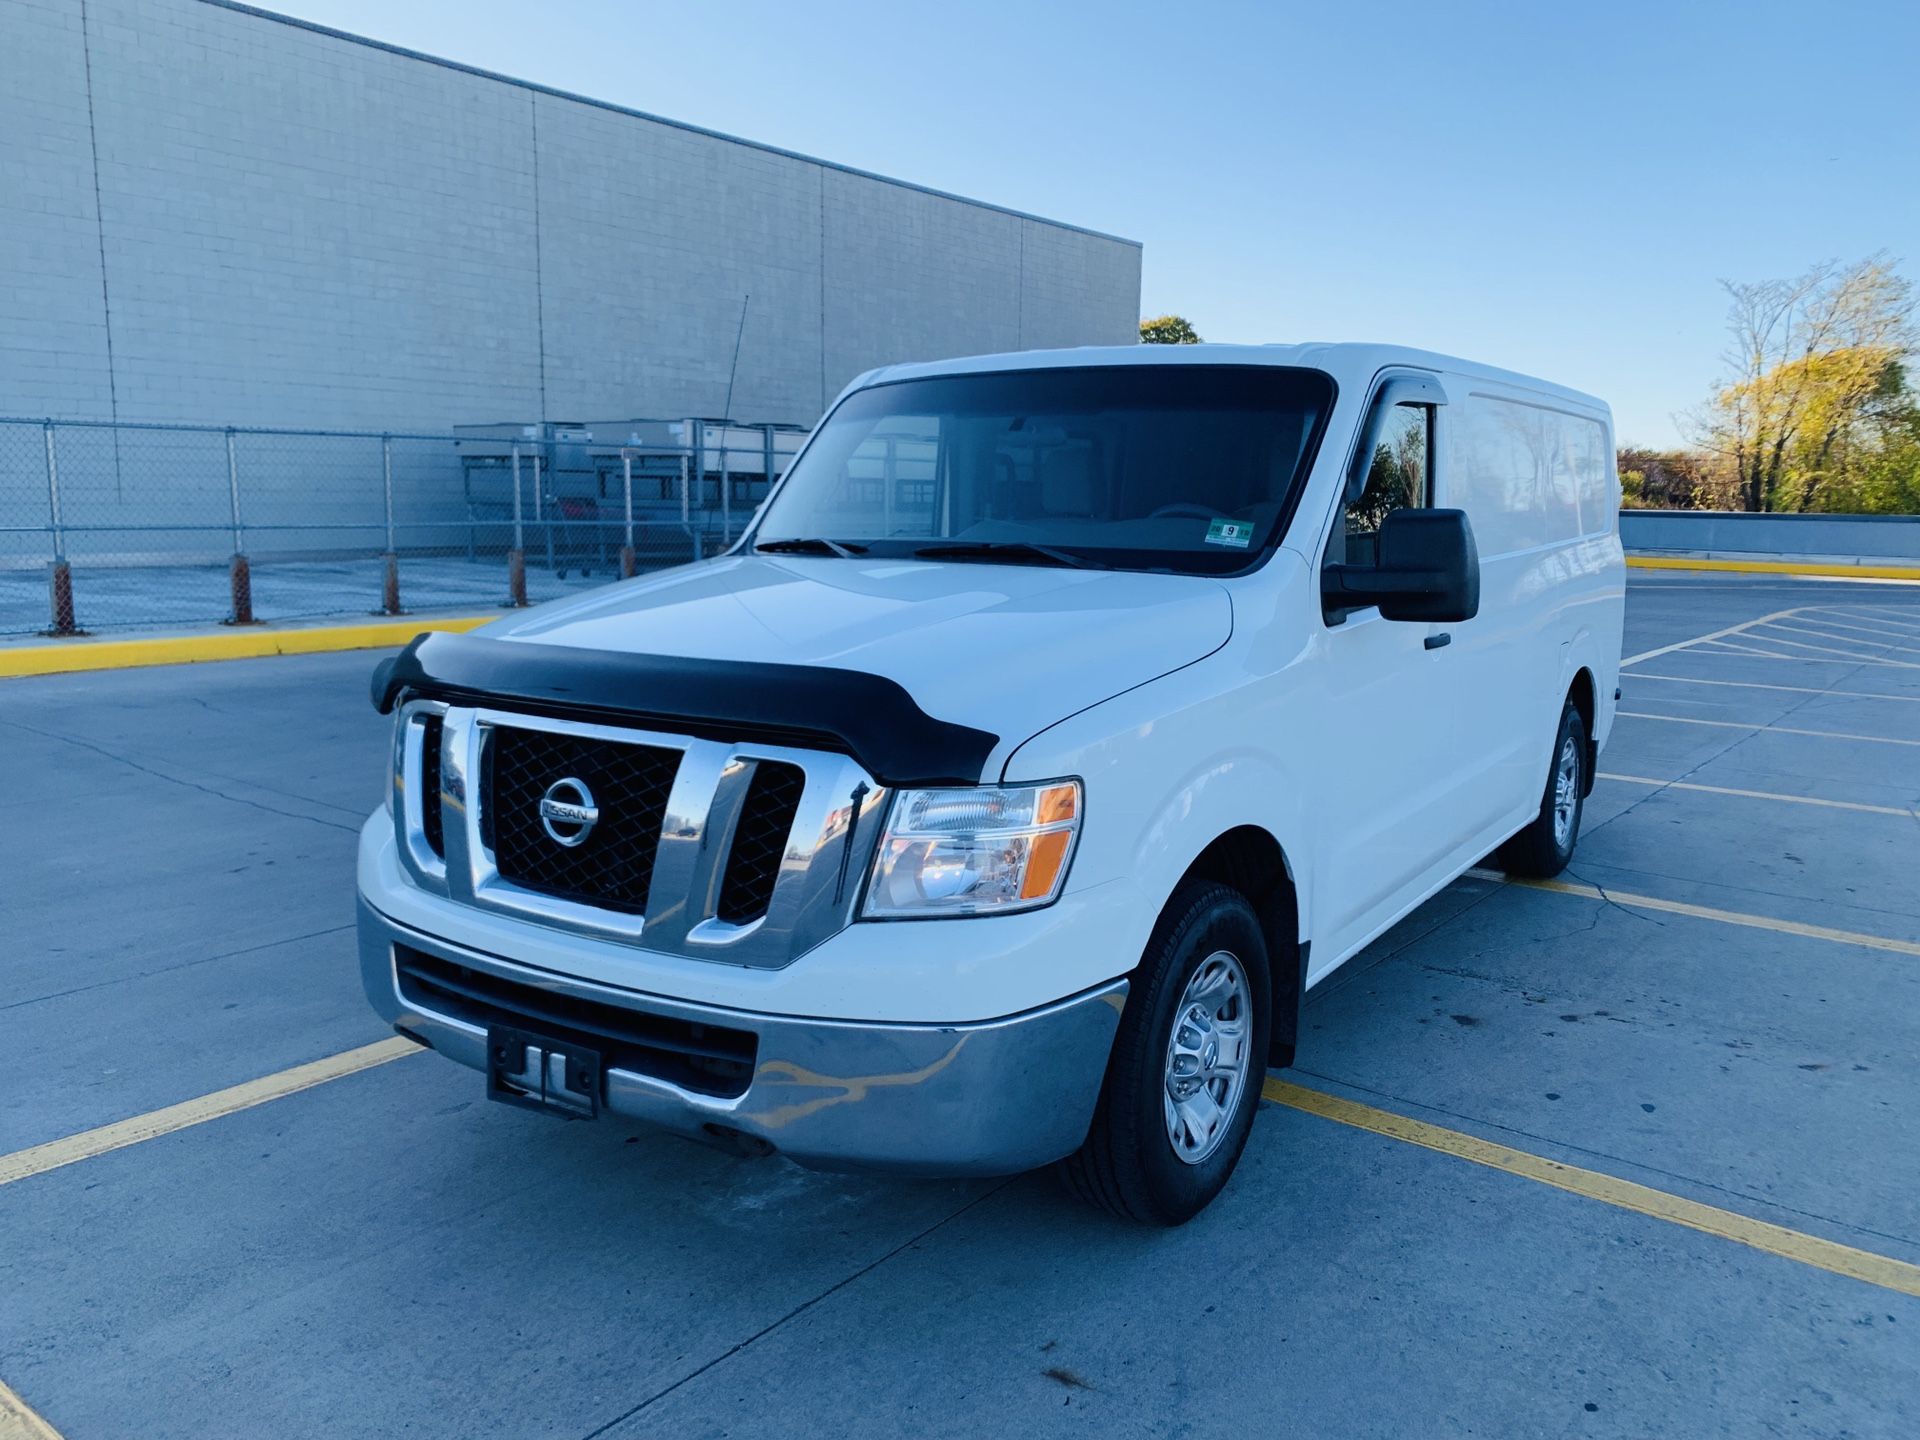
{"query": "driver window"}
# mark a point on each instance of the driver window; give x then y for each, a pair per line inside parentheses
(1400, 475)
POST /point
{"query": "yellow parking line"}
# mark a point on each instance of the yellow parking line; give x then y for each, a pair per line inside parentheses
(87, 654)
(38, 1159)
(1771, 729)
(1758, 795)
(1829, 1255)
(1704, 912)
(18, 1420)
(1761, 685)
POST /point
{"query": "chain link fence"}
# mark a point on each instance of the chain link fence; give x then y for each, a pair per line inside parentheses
(105, 525)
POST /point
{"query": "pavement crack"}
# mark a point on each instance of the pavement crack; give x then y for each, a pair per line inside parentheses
(170, 969)
(798, 1310)
(1655, 792)
(1609, 903)
(1350, 972)
(217, 794)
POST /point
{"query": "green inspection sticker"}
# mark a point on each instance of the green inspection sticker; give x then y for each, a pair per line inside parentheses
(1237, 533)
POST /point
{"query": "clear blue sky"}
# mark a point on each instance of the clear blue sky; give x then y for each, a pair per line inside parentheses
(1554, 188)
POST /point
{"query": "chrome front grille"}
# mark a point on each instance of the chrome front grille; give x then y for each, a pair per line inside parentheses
(737, 852)
(432, 819)
(610, 864)
(760, 841)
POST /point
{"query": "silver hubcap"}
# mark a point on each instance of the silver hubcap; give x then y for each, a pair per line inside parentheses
(1207, 1057)
(1566, 792)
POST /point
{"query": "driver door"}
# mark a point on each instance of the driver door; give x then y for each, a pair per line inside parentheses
(1387, 787)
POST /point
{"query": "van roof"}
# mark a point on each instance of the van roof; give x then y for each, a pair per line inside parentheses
(1350, 361)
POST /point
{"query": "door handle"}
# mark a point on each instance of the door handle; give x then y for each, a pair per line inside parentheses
(1435, 642)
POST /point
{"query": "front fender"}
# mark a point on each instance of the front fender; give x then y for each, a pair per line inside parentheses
(1163, 782)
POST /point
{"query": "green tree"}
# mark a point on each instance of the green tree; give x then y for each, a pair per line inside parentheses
(1814, 384)
(1168, 330)
(1875, 470)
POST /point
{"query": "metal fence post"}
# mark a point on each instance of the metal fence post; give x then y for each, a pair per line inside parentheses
(59, 576)
(726, 496)
(239, 572)
(390, 581)
(541, 517)
(626, 550)
(517, 556)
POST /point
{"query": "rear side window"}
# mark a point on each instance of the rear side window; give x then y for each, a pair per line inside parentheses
(1528, 475)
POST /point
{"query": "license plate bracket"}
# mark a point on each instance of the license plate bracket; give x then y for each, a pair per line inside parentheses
(537, 1072)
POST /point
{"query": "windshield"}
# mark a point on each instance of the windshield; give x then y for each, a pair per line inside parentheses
(1176, 467)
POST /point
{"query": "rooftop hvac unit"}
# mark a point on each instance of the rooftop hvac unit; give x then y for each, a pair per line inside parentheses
(699, 477)
(695, 470)
(547, 469)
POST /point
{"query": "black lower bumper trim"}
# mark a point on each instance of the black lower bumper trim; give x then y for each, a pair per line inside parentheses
(707, 1059)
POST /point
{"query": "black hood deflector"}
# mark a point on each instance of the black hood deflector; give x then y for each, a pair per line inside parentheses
(869, 717)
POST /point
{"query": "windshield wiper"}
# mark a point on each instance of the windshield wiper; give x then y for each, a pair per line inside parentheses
(810, 545)
(999, 550)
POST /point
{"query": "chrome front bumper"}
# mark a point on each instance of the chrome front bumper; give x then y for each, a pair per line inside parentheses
(992, 1098)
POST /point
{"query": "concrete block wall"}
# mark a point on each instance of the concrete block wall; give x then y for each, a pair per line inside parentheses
(297, 228)
(53, 332)
(1732, 534)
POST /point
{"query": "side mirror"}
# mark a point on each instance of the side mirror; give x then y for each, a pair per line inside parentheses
(1429, 569)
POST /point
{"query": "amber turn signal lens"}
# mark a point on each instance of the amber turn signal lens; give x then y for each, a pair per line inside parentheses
(1048, 854)
(1057, 803)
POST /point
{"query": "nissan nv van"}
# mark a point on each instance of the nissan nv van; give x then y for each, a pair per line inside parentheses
(1060, 720)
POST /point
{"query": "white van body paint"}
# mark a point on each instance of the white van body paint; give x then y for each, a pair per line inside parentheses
(1187, 706)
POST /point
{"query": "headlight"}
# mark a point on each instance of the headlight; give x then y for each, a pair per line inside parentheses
(985, 850)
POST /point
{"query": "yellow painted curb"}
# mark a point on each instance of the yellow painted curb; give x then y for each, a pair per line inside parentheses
(1777, 567)
(18, 1420)
(71, 655)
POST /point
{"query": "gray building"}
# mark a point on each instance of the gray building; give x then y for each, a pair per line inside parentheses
(210, 214)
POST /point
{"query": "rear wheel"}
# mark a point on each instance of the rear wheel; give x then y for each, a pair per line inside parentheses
(1546, 845)
(1184, 1078)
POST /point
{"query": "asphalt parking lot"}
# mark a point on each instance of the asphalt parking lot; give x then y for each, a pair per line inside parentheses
(1634, 1154)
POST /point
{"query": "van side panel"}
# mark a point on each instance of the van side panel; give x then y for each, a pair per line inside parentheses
(1535, 475)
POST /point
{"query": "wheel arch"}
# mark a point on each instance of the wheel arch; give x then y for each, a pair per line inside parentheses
(1250, 859)
(1584, 693)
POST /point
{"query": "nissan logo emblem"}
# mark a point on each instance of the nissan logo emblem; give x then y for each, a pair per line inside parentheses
(567, 812)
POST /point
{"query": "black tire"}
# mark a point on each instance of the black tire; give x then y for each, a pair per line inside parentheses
(1545, 846)
(1129, 1164)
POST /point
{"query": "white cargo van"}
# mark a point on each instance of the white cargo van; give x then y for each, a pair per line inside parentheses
(1060, 721)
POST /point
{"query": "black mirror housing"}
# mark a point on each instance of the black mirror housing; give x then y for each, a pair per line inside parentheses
(1429, 569)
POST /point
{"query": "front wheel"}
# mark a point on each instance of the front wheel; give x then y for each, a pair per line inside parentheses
(1184, 1078)
(1546, 845)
